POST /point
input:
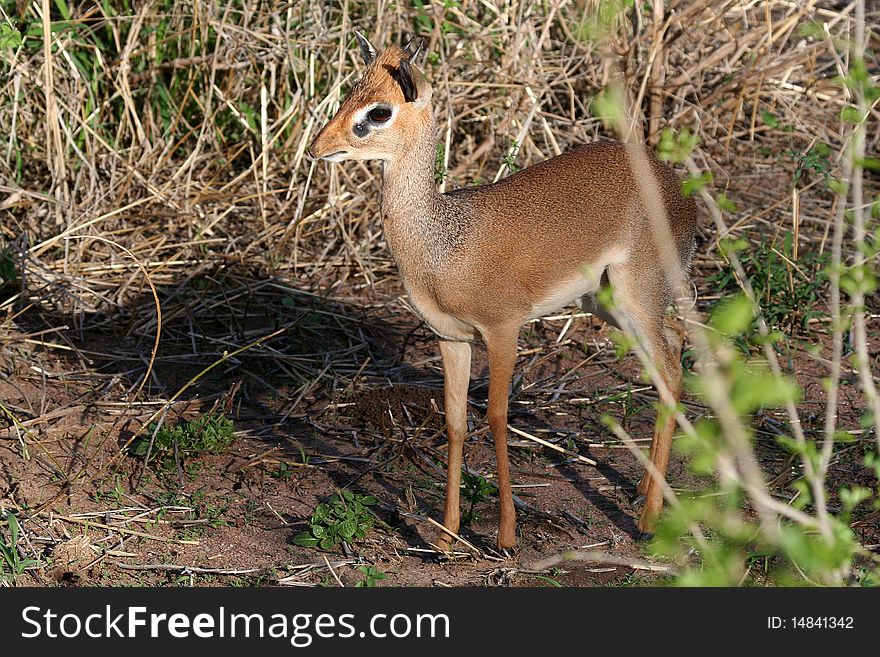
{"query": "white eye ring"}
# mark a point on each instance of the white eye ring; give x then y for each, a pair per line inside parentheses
(380, 115)
(362, 118)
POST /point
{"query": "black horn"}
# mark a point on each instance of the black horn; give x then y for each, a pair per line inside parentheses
(368, 52)
(413, 48)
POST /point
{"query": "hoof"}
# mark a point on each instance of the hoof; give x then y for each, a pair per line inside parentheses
(645, 536)
(508, 553)
(638, 498)
(444, 543)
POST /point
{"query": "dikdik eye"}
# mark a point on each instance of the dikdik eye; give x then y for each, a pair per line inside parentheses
(379, 114)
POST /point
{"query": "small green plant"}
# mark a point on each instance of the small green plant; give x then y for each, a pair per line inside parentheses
(676, 147)
(213, 515)
(510, 156)
(622, 343)
(345, 517)
(608, 106)
(549, 580)
(9, 35)
(788, 291)
(210, 434)
(210, 515)
(772, 121)
(816, 159)
(249, 516)
(630, 407)
(284, 472)
(204, 513)
(371, 576)
(633, 579)
(476, 489)
(769, 119)
(425, 17)
(12, 566)
(116, 495)
(695, 182)
(439, 163)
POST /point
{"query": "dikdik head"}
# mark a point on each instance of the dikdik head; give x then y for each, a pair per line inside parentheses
(390, 103)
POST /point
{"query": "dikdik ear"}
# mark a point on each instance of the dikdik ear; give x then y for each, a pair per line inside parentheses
(368, 52)
(413, 48)
(404, 77)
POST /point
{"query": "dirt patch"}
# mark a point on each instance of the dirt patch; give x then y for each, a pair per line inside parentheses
(231, 517)
(382, 408)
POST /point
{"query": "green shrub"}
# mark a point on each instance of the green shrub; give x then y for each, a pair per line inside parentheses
(730, 524)
(12, 566)
(210, 434)
(790, 292)
(345, 517)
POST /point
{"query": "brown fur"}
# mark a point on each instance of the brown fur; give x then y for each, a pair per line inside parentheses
(483, 260)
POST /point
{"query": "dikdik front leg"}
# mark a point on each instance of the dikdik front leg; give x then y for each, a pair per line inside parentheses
(456, 376)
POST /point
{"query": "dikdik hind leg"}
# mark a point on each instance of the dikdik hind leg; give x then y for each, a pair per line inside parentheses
(674, 334)
(501, 347)
(643, 298)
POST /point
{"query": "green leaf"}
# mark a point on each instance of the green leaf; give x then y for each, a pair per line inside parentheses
(304, 539)
(858, 278)
(609, 106)
(852, 497)
(139, 447)
(838, 186)
(761, 389)
(13, 530)
(622, 343)
(842, 436)
(347, 529)
(725, 203)
(813, 30)
(674, 147)
(695, 182)
(9, 36)
(769, 119)
(850, 114)
(63, 9)
(728, 246)
(732, 315)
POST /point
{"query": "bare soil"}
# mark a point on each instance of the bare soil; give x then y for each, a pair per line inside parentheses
(95, 516)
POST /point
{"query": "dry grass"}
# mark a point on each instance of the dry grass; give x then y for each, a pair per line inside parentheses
(174, 243)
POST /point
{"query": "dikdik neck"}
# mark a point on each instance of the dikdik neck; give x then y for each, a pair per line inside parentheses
(410, 200)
